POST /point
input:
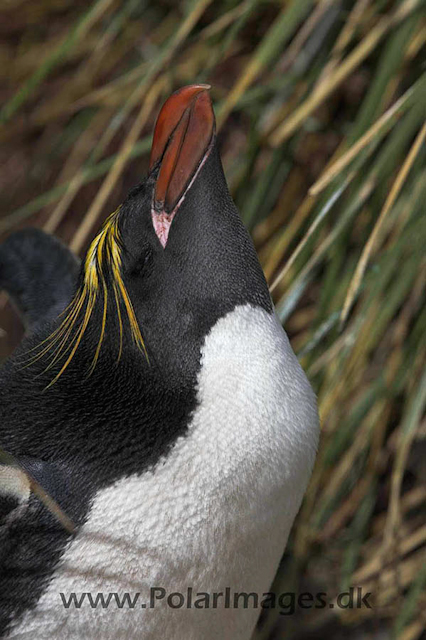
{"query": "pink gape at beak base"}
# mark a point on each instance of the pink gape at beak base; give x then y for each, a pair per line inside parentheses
(182, 136)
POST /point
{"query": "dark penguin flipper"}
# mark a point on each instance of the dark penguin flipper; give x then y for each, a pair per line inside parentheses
(31, 538)
(39, 273)
(14, 494)
(16, 485)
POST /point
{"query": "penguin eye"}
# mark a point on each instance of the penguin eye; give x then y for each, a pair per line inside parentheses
(142, 263)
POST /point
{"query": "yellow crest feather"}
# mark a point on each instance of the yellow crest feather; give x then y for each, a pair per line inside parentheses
(104, 253)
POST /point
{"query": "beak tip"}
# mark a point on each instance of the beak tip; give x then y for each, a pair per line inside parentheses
(171, 114)
(182, 136)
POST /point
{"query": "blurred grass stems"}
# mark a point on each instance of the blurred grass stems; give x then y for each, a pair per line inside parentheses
(114, 173)
(89, 174)
(379, 128)
(162, 58)
(414, 412)
(372, 240)
(118, 163)
(390, 61)
(70, 172)
(347, 66)
(344, 38)
(409, 607)
(317, 221)
(57, 57)
(236, 19)
(276, 38)
(103, 55)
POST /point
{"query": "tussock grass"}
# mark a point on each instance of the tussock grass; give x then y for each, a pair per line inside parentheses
(321, 117)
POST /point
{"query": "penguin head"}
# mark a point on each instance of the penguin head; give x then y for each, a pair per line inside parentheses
(175, 256)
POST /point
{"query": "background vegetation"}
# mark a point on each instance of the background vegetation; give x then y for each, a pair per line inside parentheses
(321, 116)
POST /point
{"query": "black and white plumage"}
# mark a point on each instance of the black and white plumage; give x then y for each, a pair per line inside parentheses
(164, 410)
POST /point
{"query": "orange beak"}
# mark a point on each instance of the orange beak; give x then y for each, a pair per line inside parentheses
(182, 135)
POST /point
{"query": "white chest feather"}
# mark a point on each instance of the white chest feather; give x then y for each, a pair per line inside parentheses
(214, 513)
